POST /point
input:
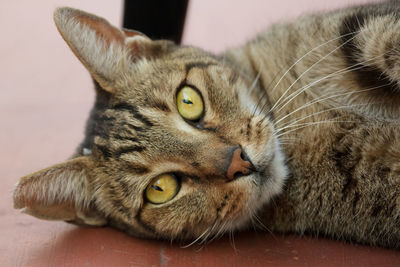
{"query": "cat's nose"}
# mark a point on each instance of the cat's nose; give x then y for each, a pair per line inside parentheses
(240, 165)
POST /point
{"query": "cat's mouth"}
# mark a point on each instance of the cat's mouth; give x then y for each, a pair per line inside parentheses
(255, 170)
(258, 188)
(249, 171)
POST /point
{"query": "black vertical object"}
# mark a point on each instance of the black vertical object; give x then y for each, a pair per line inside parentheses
(158, 19)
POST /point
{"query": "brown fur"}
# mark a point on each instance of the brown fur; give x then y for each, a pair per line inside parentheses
(334, 114)
(344, 178)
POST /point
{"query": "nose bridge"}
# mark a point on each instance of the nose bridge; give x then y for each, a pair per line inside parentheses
(227, 162)
(215, 159)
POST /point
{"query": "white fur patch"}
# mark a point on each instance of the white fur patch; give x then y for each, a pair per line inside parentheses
(86, 151)
(183, 126)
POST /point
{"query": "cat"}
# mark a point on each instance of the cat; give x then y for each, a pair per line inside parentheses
(297, 131)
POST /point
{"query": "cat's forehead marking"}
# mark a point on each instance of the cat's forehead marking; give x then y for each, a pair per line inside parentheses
(199, 64)
(159, 105)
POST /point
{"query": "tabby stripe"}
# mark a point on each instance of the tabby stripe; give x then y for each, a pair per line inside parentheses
(101, 132)
(125, 188)
(356, 198)
(367, 76)
(134, 127)
(233, 79)
(138, 169)
(120, 137)
(117, 203)
(130, 149)
(200, 65)
(134, 167)
(102, 126)
(159, 105)
(122, 208)
(105, 119)
(248, 127)
(146, 226)
(135, 113)
(106, 152)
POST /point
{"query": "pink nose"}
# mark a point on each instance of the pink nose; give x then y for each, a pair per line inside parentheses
(238, 166)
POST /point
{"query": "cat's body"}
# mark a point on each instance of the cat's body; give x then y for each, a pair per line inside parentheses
(306, 114)
(344, 176)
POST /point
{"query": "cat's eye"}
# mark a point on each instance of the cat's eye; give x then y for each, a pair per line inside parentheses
(190, 104)
(162, 189)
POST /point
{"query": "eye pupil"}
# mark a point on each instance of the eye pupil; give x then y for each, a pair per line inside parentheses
(157, 188)
(162, 188)
(189, 103)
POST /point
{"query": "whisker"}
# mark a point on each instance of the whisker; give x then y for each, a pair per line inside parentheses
(290, 124)
(317, 100)
(321, 99)
(263, 227)
(287, 71)
(218, 233)
(203, 237)
(255, 81)
(312, 50)
(309, 124)
(327, 110)
(334, 74)
(287, 143)
(232, 240)
(254, 218)
(197, 239)
(253, 85)
(305, 123)
(253, 224)
(205, 240)
(264, 95)
(301, 75)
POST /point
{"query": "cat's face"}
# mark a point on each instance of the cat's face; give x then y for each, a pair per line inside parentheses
(175, 148)
(142, 135)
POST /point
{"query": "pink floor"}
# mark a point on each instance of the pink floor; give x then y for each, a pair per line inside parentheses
(45, 98)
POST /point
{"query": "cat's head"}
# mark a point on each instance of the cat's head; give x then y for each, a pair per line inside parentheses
(175, 147)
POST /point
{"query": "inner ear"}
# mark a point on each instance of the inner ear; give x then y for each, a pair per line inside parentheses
(104, 30)
(106, 51)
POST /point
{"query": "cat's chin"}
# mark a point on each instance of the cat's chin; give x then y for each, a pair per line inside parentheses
(272, 183)
(264, 185)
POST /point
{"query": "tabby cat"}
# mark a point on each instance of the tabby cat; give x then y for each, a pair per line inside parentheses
(297, 131)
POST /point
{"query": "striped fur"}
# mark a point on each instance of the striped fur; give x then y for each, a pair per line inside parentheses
(312, 103)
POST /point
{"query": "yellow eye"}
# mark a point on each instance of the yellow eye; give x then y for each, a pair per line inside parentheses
(190, 104)
(162, 188)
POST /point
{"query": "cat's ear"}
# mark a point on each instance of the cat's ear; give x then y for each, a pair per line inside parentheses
(104, 49)
(60, 192)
